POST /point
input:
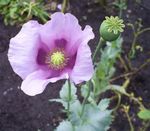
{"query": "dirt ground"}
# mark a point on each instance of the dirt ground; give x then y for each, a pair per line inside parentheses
(19, 112)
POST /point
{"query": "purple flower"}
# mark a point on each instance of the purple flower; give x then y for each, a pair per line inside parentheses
(40, 54)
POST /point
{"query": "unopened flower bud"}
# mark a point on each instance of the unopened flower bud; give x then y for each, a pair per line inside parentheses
(111, 28)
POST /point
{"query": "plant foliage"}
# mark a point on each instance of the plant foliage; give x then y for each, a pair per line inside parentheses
(20, 11)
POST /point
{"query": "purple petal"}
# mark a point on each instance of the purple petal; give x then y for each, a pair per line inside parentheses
(73, 33)
(36, 82)
(50, 31)
(24, 48)
(63, 75)
(42, 53)
(61, 27)
(87, 34)
(60, 43)
(83, 68)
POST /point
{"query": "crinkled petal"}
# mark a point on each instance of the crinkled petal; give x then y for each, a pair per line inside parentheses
(61, 26)
(86, 35)
(62, 76)
(23, 49)
(49, 32)
(36, 82)
(83, 69)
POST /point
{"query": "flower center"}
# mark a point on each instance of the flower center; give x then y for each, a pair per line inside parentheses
(56, 59)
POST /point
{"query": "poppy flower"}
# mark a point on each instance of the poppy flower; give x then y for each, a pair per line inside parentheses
(59, 49)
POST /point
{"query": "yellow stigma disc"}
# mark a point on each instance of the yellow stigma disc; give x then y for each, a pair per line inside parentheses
(57, 58)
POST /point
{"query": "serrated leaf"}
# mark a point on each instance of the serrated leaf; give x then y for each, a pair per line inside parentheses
(64, 95)
(93, 119)
(75, 115)
(103, 104)
(99, 120)
(105, 68)
(65, 91)
(86, 128)
(144, 114)
(65, 126)
(60, 101)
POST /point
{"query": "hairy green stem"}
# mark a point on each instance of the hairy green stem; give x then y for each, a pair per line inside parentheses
(30, 9)
(119, 101)
(136, 100)
(130, 96)
(123, 63)
(132, 51)
(97, 48)
(142, 31)
(130, 123)
(64, 5)
(120, 9)
(69, 96)
(136, 34)
(86, 98)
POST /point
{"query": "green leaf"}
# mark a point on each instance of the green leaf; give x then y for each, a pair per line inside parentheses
(86, 128)
(65, 126)
(144, 114)
(64, 97)
(105, 68)
(75, 113)
(103, 104)
(121, 5)
(19, 11)
(118, 88)
(65, 91)
(95, 118)
(59, 101)
(13, 12)
(4, 2)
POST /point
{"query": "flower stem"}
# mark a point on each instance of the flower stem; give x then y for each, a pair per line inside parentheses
(142, 31)
(64, 5)
(86, 98)
(136, 35)
(129, 120)
(132, 51)
(69, 96)
(123, 63)
(136, 100)
(98, 48)
(120, 9)
(119, 101)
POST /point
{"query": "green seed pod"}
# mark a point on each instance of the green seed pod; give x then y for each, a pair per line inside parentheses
(111, 28)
